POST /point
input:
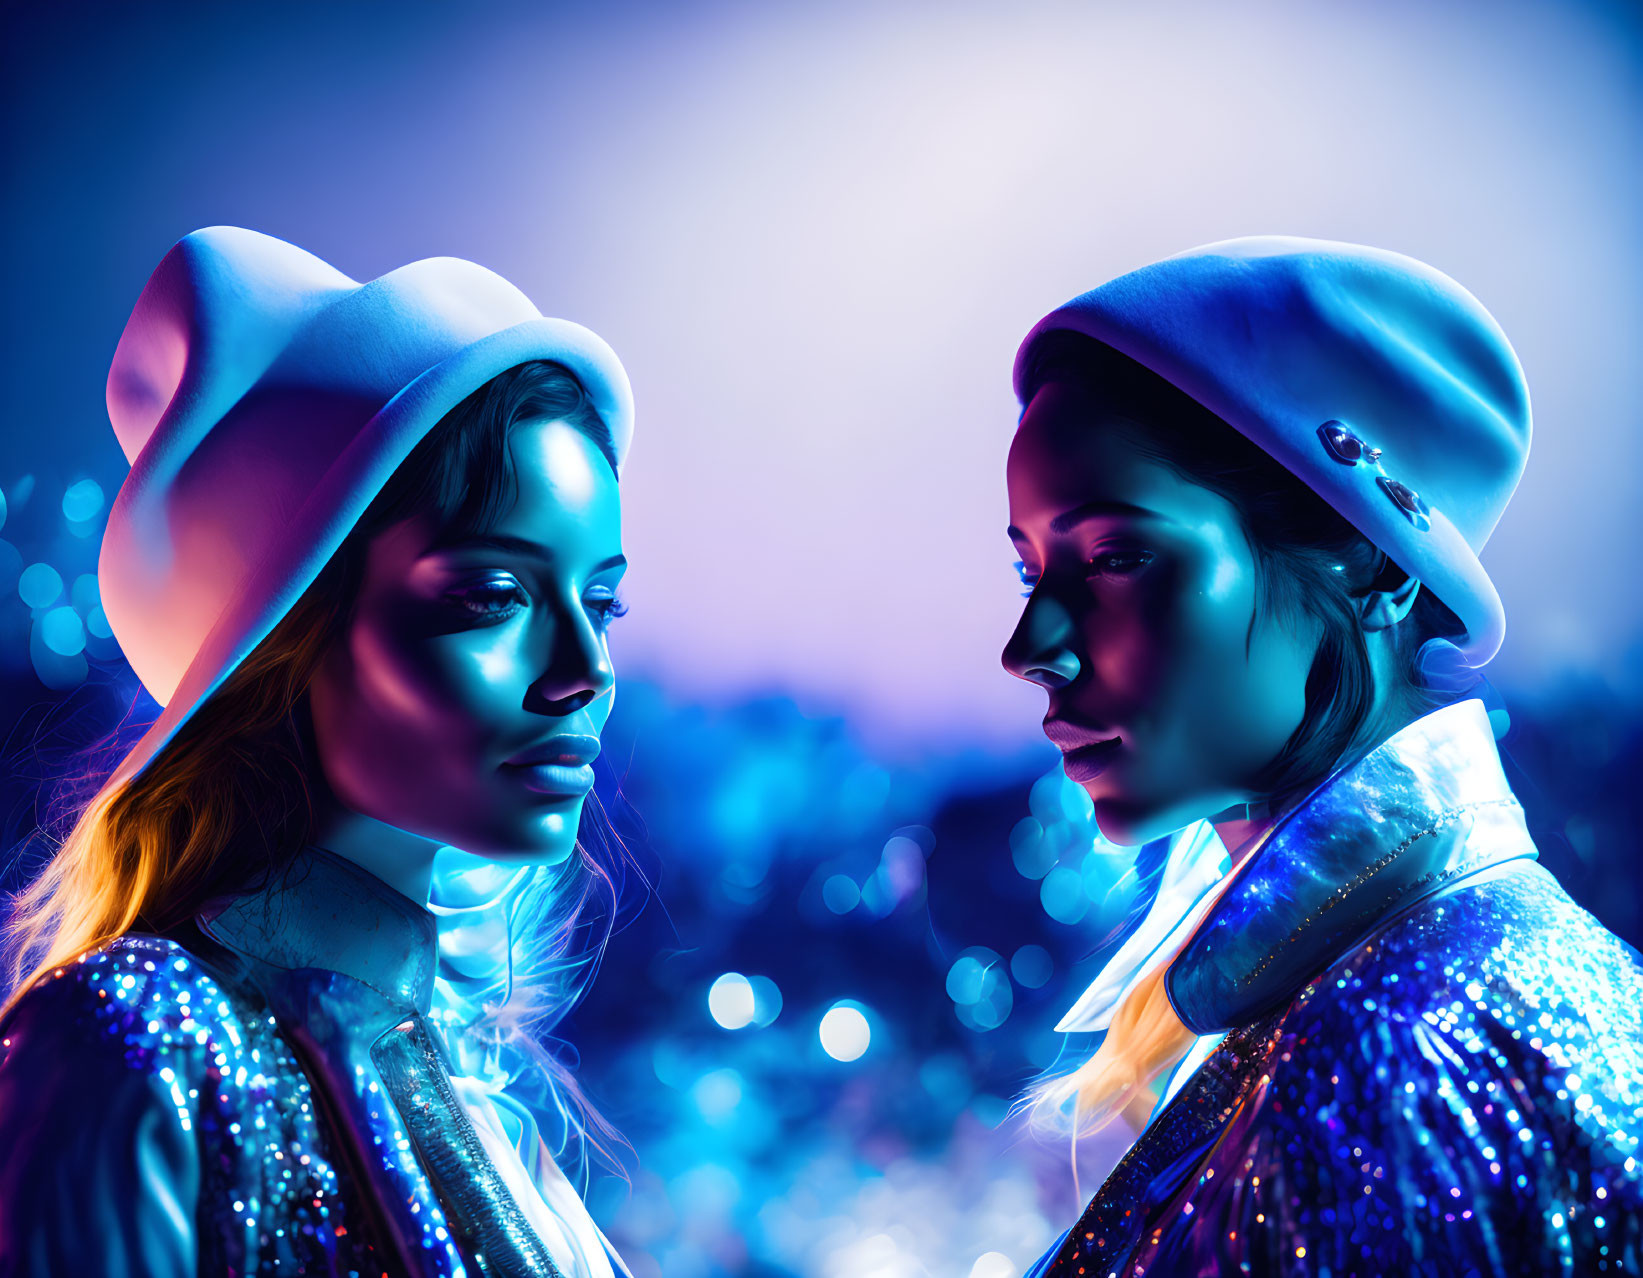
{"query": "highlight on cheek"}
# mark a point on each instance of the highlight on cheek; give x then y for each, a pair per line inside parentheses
(1230, 572)
(495, 665)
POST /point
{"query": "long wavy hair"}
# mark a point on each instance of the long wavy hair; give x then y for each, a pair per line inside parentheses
(1312, 564)
(227, 803)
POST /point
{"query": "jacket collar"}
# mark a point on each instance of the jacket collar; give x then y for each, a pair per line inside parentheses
(1426, 808)
(324, 914)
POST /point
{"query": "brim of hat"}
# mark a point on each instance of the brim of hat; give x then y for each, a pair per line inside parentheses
(353, 481)
(1441, 558)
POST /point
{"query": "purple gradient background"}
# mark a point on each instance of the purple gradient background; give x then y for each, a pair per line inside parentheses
(815, 235)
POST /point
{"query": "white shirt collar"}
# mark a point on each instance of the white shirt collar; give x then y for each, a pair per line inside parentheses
(1197, 862)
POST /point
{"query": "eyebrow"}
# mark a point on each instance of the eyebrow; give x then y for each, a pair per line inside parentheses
(1067, 520)
(510, 545)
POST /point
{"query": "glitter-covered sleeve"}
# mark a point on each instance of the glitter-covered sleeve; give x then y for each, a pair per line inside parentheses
(101, 1170)
(1465, 1089)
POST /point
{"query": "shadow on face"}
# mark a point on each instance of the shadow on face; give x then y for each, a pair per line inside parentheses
(1169, 687)
(464, 701)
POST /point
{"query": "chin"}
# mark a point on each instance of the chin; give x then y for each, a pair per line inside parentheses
(1129, 824)
(534, 840)
(554, 851)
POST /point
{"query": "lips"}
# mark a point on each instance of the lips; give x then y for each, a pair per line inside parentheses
(572, 749)
(559, 767)
(1086, 752)
(1088, 762)
(1069, 734)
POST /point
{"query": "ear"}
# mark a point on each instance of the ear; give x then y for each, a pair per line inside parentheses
(1383, 609)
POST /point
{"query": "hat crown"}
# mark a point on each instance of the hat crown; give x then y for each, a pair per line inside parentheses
(193, 334)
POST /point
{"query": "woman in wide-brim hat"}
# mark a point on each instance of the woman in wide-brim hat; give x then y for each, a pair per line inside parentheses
(1248, 490)
(277, 998)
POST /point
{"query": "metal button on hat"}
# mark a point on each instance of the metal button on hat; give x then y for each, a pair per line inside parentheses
(1408, 501)
(1344, 446)
(1349, 450)
(1379, 382)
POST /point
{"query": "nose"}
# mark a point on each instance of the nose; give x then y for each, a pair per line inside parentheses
(1040, 651)
(578, 669)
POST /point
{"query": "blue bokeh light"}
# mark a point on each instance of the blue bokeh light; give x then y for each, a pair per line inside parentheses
(840, 894)
(1032, 966)
(718, 1093)
(1062, 894)
(59, 671)
(1032, 853)
(39, 585)
(979, 985)
(82, 501)
(730, 1001)
(767, 1000)
(86, 593)
(62, 631)
(844, 1031)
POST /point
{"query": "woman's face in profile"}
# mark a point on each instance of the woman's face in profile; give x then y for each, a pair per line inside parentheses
(465, 700)
(1168, 689)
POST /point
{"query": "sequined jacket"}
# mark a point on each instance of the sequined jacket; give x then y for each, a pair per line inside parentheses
(262, 1094)
(1432, 1062)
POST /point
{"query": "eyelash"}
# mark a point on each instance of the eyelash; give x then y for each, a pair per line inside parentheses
(607, 610)
(1095, 565)
(1142, 557)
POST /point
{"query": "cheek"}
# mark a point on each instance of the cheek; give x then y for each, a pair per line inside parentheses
(1138, 635)
(405, 703)
(1206, 702)
(1247, 694)
(450, 683)
(1280, 659)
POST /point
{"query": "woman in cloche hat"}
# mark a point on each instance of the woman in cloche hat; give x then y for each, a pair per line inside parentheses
(1248, 489)
(277, 996)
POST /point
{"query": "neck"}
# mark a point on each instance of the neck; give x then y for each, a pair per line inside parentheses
(1240, 828)
(402, 860)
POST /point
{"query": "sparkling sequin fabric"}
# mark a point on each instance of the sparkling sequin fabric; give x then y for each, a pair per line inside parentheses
(238, 1104)
(155, 1123)
(1456, 1091)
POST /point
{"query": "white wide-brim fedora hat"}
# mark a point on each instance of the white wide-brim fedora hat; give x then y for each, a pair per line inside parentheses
(1379, 382)
(263, 398)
